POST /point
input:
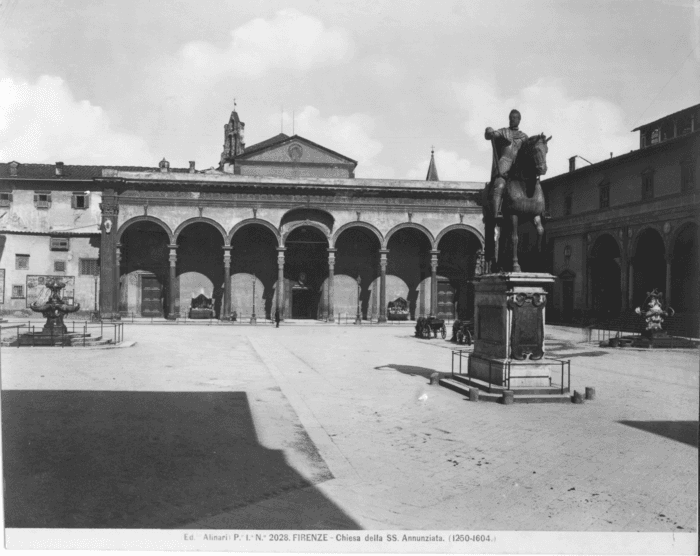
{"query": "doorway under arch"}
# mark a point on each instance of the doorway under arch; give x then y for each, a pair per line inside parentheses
(143, 273)
(456, 264)
(305, 271)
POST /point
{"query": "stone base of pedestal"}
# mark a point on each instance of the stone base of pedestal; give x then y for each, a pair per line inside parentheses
(509, 373)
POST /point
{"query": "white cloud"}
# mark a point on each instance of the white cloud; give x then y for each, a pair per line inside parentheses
(591, 127)
(450, 167)
(348, 135)
(43, 122)
(291, 41)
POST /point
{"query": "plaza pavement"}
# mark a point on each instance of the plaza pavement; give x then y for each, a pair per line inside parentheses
(375, 446)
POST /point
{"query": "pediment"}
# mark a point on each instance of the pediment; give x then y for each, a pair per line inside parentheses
(296, 150)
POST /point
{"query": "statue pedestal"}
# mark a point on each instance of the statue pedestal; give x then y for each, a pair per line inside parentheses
(509, 330)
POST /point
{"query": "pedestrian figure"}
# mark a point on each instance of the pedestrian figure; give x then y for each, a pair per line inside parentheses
(277, 318)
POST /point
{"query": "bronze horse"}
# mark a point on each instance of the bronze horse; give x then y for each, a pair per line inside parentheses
(522, 198)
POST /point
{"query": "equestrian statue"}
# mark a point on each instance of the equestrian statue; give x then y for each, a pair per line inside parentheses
(514, 192)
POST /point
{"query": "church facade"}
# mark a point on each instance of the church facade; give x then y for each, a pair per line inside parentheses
(282, 224)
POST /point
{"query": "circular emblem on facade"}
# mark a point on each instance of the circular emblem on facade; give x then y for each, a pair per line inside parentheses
(667, 227)
(295, 151)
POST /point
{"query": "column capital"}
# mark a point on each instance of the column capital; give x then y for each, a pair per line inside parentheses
(172, 246)
(227, 248)
(281, 249)
(332, 250)
(435, 252)
(384, 252)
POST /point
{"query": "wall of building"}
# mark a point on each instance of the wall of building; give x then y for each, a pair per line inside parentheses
(41, 263)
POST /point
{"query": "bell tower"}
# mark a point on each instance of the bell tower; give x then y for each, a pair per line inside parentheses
(234, 142)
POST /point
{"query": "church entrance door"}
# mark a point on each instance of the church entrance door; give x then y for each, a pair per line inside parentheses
(301, 303)
(151, 297)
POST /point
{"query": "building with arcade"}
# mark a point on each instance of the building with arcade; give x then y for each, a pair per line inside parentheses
(279, 224)
(629, 224)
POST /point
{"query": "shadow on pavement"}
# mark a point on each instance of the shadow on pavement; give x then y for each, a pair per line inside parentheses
(681, 431)
(408, 370)
(95, 459)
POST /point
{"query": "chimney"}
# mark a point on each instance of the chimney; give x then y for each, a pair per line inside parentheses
(192, 170)
(572, 163)
(59, 169)
(610, 154)
(164, 165)
(14, 167)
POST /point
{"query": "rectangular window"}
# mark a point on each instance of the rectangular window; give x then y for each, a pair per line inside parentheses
(59, 244)
(80, 200)
(59, 266)
(5, 199)
(687, 176)
(18, 291)
(568, 202)
(22, 262)
(605, 196)
(42, 200)
(647, 186)
(89, 267)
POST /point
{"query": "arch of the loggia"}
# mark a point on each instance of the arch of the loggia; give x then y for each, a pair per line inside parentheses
(684, 294)
(648, 265)
(458, 251)
(318, 267)
(142, 260)
(606, 275)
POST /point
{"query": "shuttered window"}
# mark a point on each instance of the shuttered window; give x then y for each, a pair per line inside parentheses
(42, 200)
(5, 199)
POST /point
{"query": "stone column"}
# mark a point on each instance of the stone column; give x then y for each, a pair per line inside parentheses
(109, 269)
(280, 281)
(630, 282)
(433, 282)
(172, 290)
(669, 262)
(383, 254)
(117, 273)
(589, 284)
(226, 305)
(331, 289)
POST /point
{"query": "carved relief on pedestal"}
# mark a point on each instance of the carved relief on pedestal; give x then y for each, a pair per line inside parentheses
(527, 329)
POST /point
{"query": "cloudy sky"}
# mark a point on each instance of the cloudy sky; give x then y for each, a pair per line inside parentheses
(381, 81)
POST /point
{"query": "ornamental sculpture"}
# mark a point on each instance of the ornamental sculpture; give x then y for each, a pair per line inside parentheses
(514, 191)
(54, 309)
(654, 313)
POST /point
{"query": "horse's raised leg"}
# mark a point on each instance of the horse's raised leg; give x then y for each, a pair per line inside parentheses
(514, 241)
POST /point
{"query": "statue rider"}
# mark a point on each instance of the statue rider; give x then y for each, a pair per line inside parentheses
(506, 143)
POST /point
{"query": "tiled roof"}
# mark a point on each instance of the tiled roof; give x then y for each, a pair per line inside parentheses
(71, 172)
(684, 111)
(267, 142)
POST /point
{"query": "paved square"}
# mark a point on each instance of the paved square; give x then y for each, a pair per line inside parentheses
(346, 422)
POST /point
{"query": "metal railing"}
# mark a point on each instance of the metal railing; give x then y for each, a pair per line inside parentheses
(468, 355)
(72, 333)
